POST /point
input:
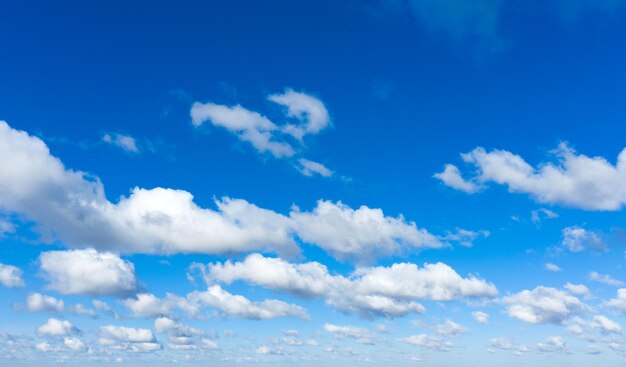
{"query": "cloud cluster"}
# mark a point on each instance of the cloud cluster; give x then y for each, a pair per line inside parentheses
(11, 276)
(71, 206)
(130, 339)
(359, 334)
(56, 327)
(375, 291)
(88, 272)
(544, 305)
(306, 115)
(572, 179)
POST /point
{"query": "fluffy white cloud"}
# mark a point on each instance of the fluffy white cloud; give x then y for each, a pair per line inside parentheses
(88, 272)
(71, 206)
(148, 305)
(552, 344)
(124, 142)
(126, 334)
(428, 341)
(37, 302)
(450, 329)
(309, 168)
(577, 289)
(362, 233)
(605, 325)
(11, 276)
(605, 279)
(574, 180)
(508, 344)
(361, 335)
(451, 176)
(537, 216)
(577, 239)
(619, 302)
(544, 305)
(249, 126)
(481, 317)
(552, 267)
(258, 130)
(74, 344)
(308, 110)
(56, 327)
(375, 291)
(239, 306)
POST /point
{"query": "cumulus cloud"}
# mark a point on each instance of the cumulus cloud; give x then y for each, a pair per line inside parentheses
(71, 206)
(74, 344)
(605, 325)
(605, 279)
(88, 272)
(619, 302)
(577, 289)
(11, 276)
(309, 168)
(374, 291)
(304, 114)
(508, 344)
(571, 179)
(450, 329)
(239, 306)
(127, 338)
(552, 344)
(577, 239)
(451, 176)
(362, 233)
(544, 305)
(541, 214)
(481, 317)
(148, 305)
(465, 237)
(428, 341)
(359, 334)
(56, 327)
(37, 302)
(122, 141)
(552, 267)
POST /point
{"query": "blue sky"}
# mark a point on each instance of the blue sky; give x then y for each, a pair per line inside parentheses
(401, 182)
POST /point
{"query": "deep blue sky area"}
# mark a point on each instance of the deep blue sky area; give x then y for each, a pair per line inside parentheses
(407, 87)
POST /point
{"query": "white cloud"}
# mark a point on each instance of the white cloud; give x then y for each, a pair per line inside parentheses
(71, 206)
(147, 305)
(249, 126)
(428, 341)
(125, 142)
(465, 237)
(361, 335)
(88, 272)
(126, 334)
(451, 176)
(552, 267)
(74, 344)
(605, 279)
(544, 305)
(577, 239)
(266, 350)
(619, 302)
(239, 306)
(37, 302)
(574, 180)
(11, 276)
(537, 216)
(308, 110)
(56, 327)
(577, 289)
(6, 228)
(481, 317)
(376, 291)
(361, 234)
(552, 344)
(605, 325)
(450, 329)
(309, 168)
(508, 344)
(304, 115)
